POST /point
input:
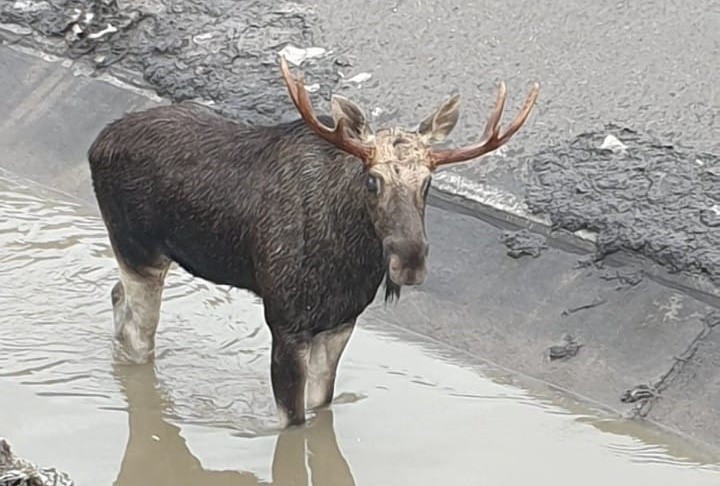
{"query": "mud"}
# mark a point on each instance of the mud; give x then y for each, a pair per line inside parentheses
(523, 242)
(202, 413)
(652, 198)
(566, 349)
(221, 52)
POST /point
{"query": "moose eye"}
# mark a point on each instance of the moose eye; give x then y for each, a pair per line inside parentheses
(372, 184)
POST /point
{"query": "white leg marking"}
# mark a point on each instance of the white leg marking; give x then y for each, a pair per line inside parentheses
(136, 310)
(325, 352)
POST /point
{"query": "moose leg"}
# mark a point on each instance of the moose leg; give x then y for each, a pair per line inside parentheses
(136, 310)
(325, 352)
(288, 371)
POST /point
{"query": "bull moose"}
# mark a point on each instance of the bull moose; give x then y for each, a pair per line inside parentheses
(310, 218)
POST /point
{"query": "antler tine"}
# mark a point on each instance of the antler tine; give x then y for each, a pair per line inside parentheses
(491, 138)
(301, 100)
(492, 126)
(520, 118)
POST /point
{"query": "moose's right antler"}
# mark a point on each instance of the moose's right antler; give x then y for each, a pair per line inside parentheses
(338, 136)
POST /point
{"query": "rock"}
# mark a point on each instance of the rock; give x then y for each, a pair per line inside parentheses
(15, 471)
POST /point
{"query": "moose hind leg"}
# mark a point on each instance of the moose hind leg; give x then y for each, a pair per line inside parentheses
(325, 351)
(288, 371)
(136, 299)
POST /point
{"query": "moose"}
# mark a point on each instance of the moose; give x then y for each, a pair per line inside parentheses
(311, 219)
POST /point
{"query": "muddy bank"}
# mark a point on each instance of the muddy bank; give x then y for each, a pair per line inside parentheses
(636, 193)
(224, 52)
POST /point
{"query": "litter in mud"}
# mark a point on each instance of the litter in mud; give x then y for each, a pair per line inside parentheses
(358, 78)
(640, 392)
(524, 242)
(613, 144)
(598, 301)
(567, 349)
(625, 278)
(297, 56)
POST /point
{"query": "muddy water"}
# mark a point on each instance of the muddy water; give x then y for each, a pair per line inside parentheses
(202, 414)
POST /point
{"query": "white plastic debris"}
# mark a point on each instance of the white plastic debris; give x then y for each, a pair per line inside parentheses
(359, 78)
(155, 438)
(28, 6)
(297, 55)
(107, 30)
(76, 15)
(613, 144)
(376, 111)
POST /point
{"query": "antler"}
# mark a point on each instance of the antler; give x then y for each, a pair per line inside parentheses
(491, 138)
(338, 136)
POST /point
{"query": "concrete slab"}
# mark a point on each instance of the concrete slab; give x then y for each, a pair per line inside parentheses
(693, 393)
(61, 112)
(511, 311)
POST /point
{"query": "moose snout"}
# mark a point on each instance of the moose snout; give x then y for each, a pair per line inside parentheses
(406, 260)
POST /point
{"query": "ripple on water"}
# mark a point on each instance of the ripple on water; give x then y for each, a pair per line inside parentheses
(57, 274)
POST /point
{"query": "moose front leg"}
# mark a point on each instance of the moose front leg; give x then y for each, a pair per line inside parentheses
(288, 372)
(325, 351)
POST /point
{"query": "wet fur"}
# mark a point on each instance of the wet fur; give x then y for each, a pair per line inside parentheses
(273, 210)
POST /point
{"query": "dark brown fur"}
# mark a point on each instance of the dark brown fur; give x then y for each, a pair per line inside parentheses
(273, 210)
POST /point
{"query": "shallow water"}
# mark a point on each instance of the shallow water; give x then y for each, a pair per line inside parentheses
(407, 411)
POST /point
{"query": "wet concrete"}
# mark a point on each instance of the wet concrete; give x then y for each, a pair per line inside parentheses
(60, 137)
(408, 410)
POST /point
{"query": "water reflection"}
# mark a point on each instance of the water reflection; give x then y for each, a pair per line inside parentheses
(156, 453)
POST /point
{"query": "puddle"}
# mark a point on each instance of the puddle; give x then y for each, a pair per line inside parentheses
(202, 414)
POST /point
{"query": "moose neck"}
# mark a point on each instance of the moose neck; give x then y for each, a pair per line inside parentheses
(332, 189)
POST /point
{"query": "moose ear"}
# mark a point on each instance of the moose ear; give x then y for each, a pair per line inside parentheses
(355, 122)
(437, 126)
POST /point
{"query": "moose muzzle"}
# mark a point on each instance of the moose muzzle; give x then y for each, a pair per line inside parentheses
(406, 260)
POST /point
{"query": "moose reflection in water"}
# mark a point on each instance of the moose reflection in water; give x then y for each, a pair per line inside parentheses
(156, 453)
